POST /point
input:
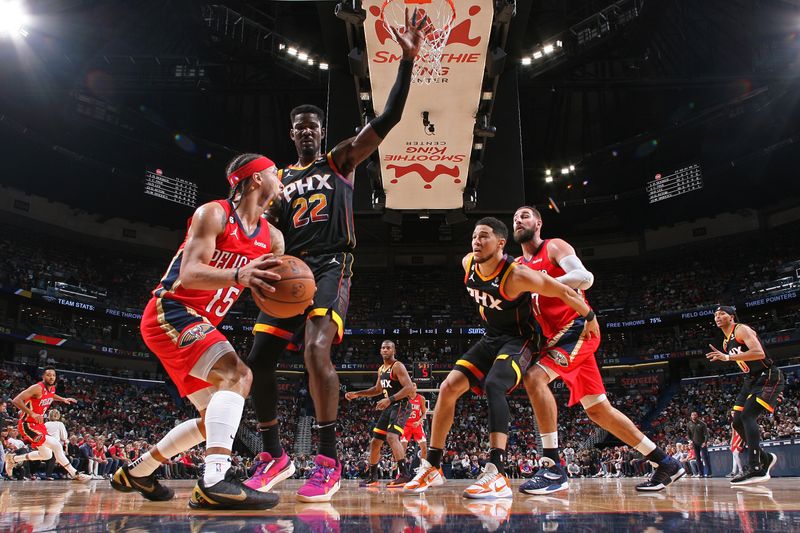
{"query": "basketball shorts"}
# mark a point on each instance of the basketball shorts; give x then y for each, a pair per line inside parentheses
(332, 273)
(479, 359)
(416, 434)
(570, 356)
(391, 420)
(766, 386)
(32, 432)
(186, 344)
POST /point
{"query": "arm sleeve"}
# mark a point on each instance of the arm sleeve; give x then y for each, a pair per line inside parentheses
(396, 101)
(576, 275)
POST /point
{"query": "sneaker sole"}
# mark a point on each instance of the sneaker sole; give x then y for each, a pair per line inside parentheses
(423, 488)
(244, 506)
(322, 497)
(546, 490)
(505, 493)
(285, 474)
(673, 478)
(752, 481)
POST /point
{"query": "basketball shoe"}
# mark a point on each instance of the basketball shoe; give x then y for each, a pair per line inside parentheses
(758, 473)
(426, 476)
(399, 482)
(81, 477)
(270, 471)
(147, 486)
(550, 478)
(491, 484)
(230, 493)
(324, 481)
(666, 473)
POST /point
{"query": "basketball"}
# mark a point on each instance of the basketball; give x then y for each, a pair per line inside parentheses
(293, 293)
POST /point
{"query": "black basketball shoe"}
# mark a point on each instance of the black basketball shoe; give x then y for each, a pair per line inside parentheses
(147, 486)
(666, 473)
(230, 493)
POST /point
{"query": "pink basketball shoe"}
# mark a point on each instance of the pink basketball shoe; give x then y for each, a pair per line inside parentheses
(323, 482)
(270, 471)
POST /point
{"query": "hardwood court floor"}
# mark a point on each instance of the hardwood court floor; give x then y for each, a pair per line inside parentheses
(590, 505)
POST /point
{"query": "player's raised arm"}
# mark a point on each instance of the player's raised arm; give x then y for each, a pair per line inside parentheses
(527, 280)
(349, 153)
(196, 272)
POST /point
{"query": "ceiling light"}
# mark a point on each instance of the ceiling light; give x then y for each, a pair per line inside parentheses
(292, 51)
(12, 18)
(310, 61)
(548, 49)
(526, 60)
(323, 66)
(572, 168)
(565, 171)
(281, 46)
(302, 56)
(547, 172)
(548, 179)
(537, 54)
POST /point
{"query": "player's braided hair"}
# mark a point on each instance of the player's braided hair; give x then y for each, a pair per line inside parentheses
(236, 192)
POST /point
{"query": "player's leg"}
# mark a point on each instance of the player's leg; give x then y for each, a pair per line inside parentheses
(231, 379)
(379, 432)
(602, 413)
(272, 336)
(429, 472)
(537, 385)
(397, 424)
(324, 327)
(503, 377)
(759, 462)
(57, 451)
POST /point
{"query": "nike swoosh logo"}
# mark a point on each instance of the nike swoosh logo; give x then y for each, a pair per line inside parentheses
(236, 497)
(146, 488)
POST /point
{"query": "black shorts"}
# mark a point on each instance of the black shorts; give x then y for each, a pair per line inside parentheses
(766, 386)
(478, 360)
(332, 273)
(391, 420)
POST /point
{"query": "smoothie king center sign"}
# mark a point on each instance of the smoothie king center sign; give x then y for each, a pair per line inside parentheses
(425, 158)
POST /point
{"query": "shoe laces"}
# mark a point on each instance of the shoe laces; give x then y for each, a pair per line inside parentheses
(320, 475)
(486, 476)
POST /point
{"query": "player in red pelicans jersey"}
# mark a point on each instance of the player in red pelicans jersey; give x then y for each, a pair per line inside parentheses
(569, 354)
(33, 403)
(227, 249)
(414, 428)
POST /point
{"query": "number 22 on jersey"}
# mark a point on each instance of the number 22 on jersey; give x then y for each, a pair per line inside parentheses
(314, 207)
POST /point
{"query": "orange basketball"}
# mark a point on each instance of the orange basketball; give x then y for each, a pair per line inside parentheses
(293, 293)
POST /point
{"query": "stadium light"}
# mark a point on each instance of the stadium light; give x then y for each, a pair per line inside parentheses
(547, 172)
(12, 18)
(526, 60)
(323, 66)
(302, 56)
(548, 49)
(565, 171)
(548, 179)
(572, 168)
(537, 54)
(292, 51)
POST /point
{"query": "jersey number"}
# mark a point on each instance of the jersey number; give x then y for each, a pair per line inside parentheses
(225, 304)
(535, 304)
(317, 203)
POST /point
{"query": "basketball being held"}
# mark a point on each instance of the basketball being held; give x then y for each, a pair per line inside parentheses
(293, 292)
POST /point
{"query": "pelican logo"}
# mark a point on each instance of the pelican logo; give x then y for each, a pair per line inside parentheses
(558, 357)
(194, 334)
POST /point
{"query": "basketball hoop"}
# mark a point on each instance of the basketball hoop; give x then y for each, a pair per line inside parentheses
(441, 15)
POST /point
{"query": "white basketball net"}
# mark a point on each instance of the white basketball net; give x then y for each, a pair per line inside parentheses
(441, 15)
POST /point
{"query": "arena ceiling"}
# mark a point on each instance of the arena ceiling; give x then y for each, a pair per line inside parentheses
(97, 92)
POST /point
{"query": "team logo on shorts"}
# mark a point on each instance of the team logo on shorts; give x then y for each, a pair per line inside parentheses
(558, 357)
(194, 334)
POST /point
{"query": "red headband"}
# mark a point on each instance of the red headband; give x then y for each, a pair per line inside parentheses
(245, 171)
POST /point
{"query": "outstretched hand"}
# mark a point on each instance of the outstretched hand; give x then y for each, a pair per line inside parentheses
(716, 355)
(411, 38)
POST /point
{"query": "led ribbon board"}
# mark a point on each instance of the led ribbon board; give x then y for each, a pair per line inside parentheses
(426, 167)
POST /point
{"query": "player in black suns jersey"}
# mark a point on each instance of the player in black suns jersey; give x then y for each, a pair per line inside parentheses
(395, 385)
(496, 363)
(316, 217)
(763, 385)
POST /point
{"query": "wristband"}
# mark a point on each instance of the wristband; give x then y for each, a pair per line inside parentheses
(236, 276)
(589, 316)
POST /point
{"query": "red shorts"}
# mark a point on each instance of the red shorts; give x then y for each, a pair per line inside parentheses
(179, 336)
(413, 433)
(32, 432)
(571, 356)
